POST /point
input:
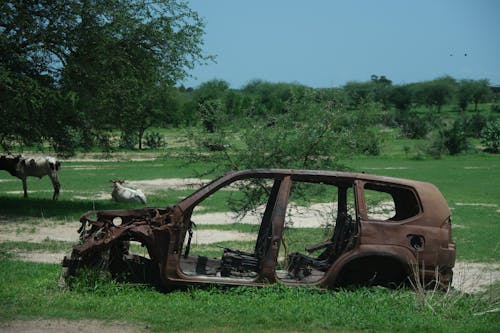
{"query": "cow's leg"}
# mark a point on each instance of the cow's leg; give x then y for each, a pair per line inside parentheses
(25, 187)
(56, 185)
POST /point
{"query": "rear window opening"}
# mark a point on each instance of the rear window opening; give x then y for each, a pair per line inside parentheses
(390, 203)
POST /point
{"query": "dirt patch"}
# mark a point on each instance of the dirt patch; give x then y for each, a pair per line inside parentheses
(480, 204)
(40, 256)
(474, 277)
(38, 232)
(159, 184)
(67, 326)
(211, 236)
(199, 237)
(96, 196)
(387, 168)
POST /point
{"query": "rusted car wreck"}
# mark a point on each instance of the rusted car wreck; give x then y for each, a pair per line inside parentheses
(412, 241)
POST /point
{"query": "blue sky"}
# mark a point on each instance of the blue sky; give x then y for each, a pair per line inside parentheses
(326, 43)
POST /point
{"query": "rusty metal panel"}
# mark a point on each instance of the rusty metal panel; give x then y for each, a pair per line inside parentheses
(360, 251)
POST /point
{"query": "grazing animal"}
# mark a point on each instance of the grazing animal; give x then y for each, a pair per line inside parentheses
(124, 194)
(23, 167)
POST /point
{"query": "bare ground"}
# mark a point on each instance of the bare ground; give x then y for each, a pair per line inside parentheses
(67, 326)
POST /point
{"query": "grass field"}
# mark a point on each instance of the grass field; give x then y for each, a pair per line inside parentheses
(470, 183)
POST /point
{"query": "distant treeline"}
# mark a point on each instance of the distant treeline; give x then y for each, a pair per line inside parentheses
(72, 72)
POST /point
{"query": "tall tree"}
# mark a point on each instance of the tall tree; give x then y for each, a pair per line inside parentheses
(110, 53)
(435, 93)
(34, 43)
(472, 91)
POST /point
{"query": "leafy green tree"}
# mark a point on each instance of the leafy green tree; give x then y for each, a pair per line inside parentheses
(210, 103)
(473, 91)
(382, 89)
(110, 54)
(435, 93)
(358, 93)
(33, 48)
(270, 98)
(401, 98)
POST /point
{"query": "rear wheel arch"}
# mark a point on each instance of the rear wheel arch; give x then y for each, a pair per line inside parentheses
(383, 269)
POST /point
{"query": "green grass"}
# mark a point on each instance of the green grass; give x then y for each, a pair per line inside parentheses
(470, 183)
(30, 291)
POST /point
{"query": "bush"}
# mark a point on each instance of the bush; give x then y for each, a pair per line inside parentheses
(455, 138)
(490, 136)
(452, 140)
(437, 147)
(127, 140)
(475, 125)
(154, 140)
(495, 108)
(367, 142)
(414, 126)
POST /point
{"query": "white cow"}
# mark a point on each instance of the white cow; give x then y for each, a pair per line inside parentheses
(23, 167)
(124, 194)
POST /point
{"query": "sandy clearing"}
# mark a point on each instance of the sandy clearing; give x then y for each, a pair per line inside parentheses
(386, 168)
(210, 236)
(473, 277)
(41, 256)
(481, 204)
(68, 326)
(46, 230)
(475, 167)
(96, 196)
(153, 185)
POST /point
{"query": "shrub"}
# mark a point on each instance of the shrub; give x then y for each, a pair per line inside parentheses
(475, 125)
(154, 140)
(455, 138)
(127, 140)
(415, 127)
(490, 136)
(437, 147)
(452, 140)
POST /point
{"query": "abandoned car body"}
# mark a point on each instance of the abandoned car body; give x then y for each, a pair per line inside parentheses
(412, 241)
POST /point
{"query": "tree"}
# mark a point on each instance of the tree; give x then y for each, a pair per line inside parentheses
(382, 88)
(209, 98)
(33, 46)
(475, 91)
(110, 54)
(480, 93)
(358, 93)
(435, 93)
(400, 97)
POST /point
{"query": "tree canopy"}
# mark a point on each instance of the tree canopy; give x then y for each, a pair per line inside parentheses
(108, 59)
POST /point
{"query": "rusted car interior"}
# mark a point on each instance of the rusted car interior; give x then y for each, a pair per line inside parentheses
(374, 230)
